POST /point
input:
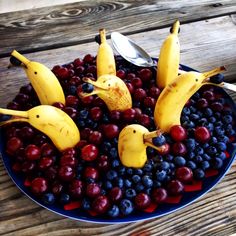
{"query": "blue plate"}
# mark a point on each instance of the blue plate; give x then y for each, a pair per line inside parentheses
(188, 197)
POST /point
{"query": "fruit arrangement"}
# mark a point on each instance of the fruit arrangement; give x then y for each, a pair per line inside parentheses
(110, 139)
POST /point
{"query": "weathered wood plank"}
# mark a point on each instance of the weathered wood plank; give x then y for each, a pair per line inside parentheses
(42, 28)
(202, 47)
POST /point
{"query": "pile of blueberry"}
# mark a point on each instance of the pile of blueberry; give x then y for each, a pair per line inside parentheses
(91, 173)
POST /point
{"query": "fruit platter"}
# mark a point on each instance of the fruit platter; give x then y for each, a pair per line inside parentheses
(102, 140)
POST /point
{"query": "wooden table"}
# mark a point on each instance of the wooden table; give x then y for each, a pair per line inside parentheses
(59, 34)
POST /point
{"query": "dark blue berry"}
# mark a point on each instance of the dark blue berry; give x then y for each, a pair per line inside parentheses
(205, 165)
(150, 151)
(81, 123)
(107, 184)
(193, 109)
(90, 180)
(194, 117)
(129, 171)
(159, 141)
(188, 124)
(219, 131)
(128, 183)
(227, 119)
(64, 198)
(191, 165)
(72, 90)
(106, 146)
(206, 157)
(212, 119)
(147, 181)
(83, 114)
(130, 193)
(208, 112)
(147, 167)
(115, 163)
(126, 207)
(186, 111)
(172, 166)
(113, 211)
(148, 191)
(197, 159)
(87, 88)
(160, 175)
(211, 150)
(179, 161)
(156, 184)
(223, 139)
(111, 174)
(121, 170)
(113, 153)
(213, 140)
(86, 204)
(105, 118)
(164, 165)
(48, 198)
(139, 188)
(199, 173)
(136, 178)
(190, 155)
(169, 158)
(199, 150)
(138, 171)
(221, 155)
(216, 163)
(190, 144)
(221, 146)
(119, 182)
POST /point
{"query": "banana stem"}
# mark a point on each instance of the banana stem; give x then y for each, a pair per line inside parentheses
(20, 57)
(175, 28)
(102, 35)
(23, 114)
(152, 134)
(214, 72)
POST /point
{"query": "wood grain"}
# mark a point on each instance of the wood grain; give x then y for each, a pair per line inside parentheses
(33, 30)
(202, 48)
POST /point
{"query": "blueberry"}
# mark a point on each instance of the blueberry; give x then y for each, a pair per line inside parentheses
(230, 132)
(150, 151)
(103, 192)
(113, 211)
(199, 173)
(90, 180)
(139, 188)
(87, 88)
(115, 163)
(206, 157)
(203, 121)
(147, 167)
(213, 140)
(223, 138)
(227, 119)
(148, 111)
(159, 141)
(72, 90)
(221, 146)
(208, 112)
(126, 207)
(219, 131)
(147, 181)
(221, 155)
(191, 155)
(130, 193)
(164, 165)
(121, 170)
(186, 111)
(205, 145)
(156, 184)
(129, 171)
(217, 79)
(160, 175)
(119, 182)
(190, 144)
(199, 150)
(113, 153)
(83, 114)
(48, 198)
(86, 204)
(212, 119)
(179, 161)
(64, 198)
(106, 146)
(188, 124)
(148, 191)
(210, 126)
(228, 112)
(81, 123)
(191, 165)
(172, 166)
(136, 178)
(138, 171)
(218, 123)
(216, 163)
(105, 118)
(211, 150)
(111, 174)
(205, 165)
(197, 159)
(196, 95)
(169, 158)
(128, 183)
(184, 118)
(193, 109)
(194, 117)
(107, 184)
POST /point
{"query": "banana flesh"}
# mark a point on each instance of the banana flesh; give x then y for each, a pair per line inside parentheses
(105, 58)
(53, 122)
(44, 82)
(168, 62)
(175, 95)
(132, 143)
(112, 90)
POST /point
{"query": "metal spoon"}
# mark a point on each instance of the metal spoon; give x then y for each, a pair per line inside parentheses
(139, 57)
(131, 51)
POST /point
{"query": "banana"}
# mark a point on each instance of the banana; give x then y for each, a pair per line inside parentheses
(132, 143)
(175, 95)
(53, 122)
(168, 62)
(112, 90)
(43, 80)
(105, 58)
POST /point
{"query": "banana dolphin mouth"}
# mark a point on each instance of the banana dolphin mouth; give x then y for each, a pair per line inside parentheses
(147, 140)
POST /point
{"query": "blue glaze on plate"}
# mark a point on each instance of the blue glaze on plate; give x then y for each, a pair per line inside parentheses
(188, 197)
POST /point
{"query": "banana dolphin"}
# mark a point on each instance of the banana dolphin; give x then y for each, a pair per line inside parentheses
(53, 122)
